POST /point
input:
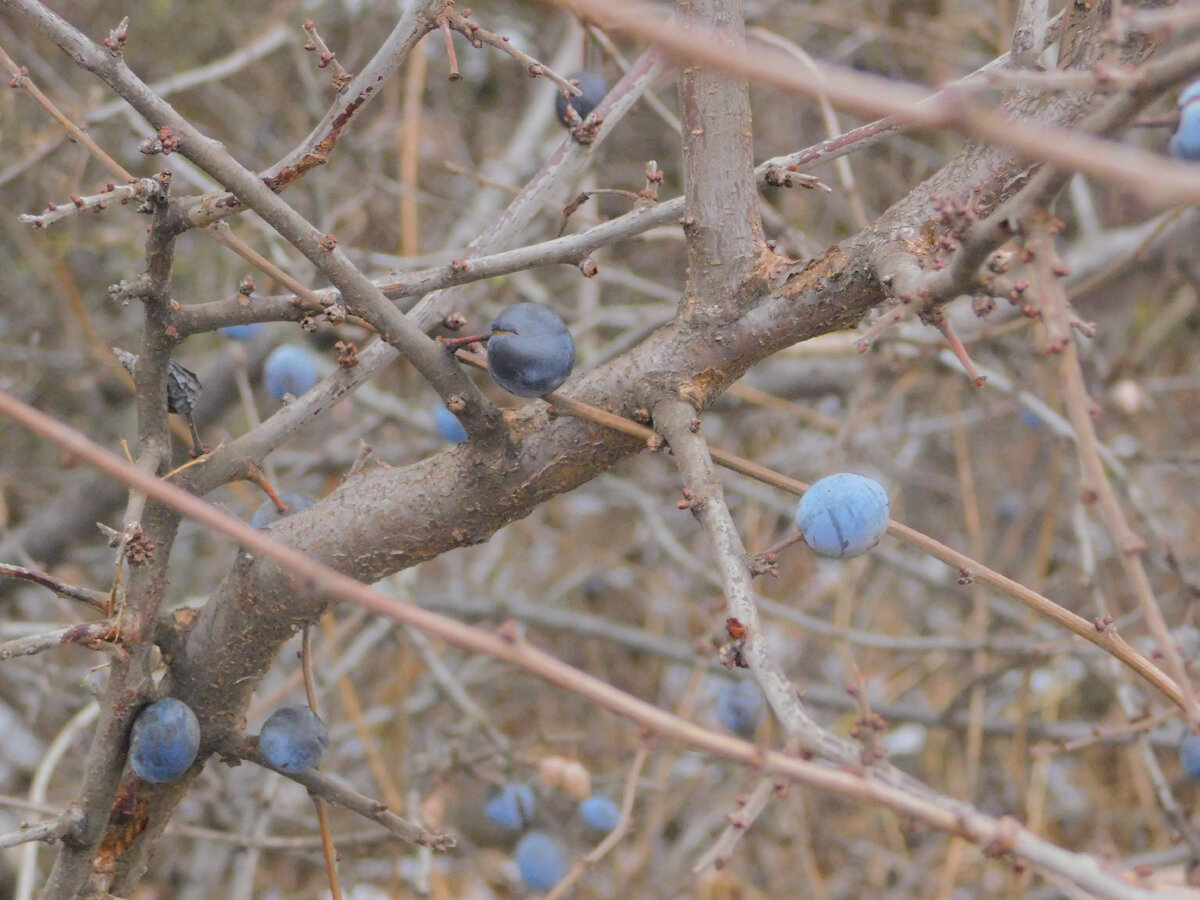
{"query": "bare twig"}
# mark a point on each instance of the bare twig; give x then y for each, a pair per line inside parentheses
(95, 599)
(21, 79)
(327, 57)
(144, 191)
(1096, 486)
(749, 809)
(1105, 638)
(615, 836)
(478, 36)
(328, 850)
(49, 831)
(876, 784)
(101, 636)
(327, 788)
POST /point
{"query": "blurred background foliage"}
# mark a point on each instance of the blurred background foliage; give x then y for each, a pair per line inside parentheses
(612, 577)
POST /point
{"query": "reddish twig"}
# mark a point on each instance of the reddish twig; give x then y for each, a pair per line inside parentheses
(328, 58)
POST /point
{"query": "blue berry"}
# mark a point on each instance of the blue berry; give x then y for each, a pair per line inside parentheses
(530, 351)
(448, 425)
(1185, 142)
(293, 739)
(1189, 93)
(1030, 418)
(1189, 753)
(289, 370)
(269, 513)
(164, 740)
(843, 515)
(600, 813)
(594, 88)
(512, 808)
(541, 859)
(741, 708)
(242, 332)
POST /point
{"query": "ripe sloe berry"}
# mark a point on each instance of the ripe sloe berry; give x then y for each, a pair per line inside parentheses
(594, 88)
(293, 739)
(448, 425)
(530, 351)
(289, 370)
(164, 740)
(242, 332)
(1189, 754)
(541, 859)
(512, 808)
(600, 813)
(741, 707)
(269, 513)
(843, 515)
(1185, 143)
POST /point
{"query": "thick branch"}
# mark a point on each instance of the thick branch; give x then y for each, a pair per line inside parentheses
(722, 222)
(879, 784)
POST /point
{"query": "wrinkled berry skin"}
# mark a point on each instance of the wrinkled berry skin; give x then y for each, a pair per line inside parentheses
(293, 739)
(512, 808)
(741, 707)
(448, 425)
(288, 370)
(541, 859)
(600, 813)
(1185, 143)
(268, 513)
(164, 740)
(594, 88)
(843, 515)
(243, 332)
(530, 352)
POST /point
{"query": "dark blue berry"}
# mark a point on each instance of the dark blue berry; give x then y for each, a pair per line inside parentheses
(1030, 418)
(741, 708)
(289, 370)
(164, 740)
(530, 351)
(843, 515)
(541, 859)
(600, 813)
(293, 739)
(269, 513)
(242, 332)
(448, 425)
(512, 808)
(1189, 754)
(1185, 143)
(594, 88)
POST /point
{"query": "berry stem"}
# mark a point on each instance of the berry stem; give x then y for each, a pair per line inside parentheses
(457, 343)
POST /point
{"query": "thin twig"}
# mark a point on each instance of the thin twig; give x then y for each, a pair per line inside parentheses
(102, 635)
(328, 850)
(749, 809)
(327, 788)
(49, 831)
(615, 836)
(478, 36)
(879, 785)
(95, 599)
(21, 79)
